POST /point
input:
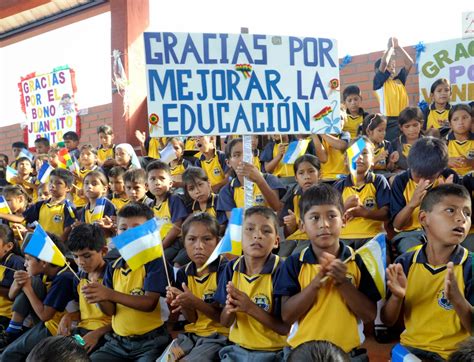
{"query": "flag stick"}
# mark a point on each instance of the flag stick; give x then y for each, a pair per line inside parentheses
(166, 265)
(286, 166)
(72, 270)
(8, 268)
(19, 232)
(344, 262)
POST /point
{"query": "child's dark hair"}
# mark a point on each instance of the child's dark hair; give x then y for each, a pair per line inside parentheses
(21, 159)
(71, 136)
(265, 212)
(372, 121)
(321, 194)
(64, 175)
(311, 159)
(436, 194)
(136, 209)
(117, 171)
(230, 145)
(204, 218)
(427, 157)
(135, 175)
(438, 82)
(19, 145)
(99, 175)
(465, 352)
(459, 107)
(88, 147)
(6, 234)
(58, 349)
(16, 190)
(157, 165)
(42, 141)
(4, 156)
(320, 351)
(351, 90)
(86, 236)
(410, 114)
(192, 174)
(105, 129)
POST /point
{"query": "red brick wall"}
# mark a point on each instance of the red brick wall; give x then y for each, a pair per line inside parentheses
(95, 116)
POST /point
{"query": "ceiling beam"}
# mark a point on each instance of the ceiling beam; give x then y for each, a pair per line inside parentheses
(12, 7)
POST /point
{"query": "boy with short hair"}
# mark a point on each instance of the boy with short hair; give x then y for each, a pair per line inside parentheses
(321, 309)
(433, 284)
(71, 141)
(246, 289)
(427, 161)
(88, 246)
(59, 284)
(106, 150)
(16, 149)
(135, 186)
(118, 195)
(352, 99)
(131, 297)
(169, 209)
(42, 145)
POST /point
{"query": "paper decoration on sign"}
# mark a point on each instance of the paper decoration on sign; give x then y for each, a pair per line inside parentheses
(468, 24)
(119, 78)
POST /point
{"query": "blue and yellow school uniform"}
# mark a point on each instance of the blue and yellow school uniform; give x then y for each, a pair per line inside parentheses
(190, 144)
(403, 188)
(335, 165)
(86, 212)
(391, 93)
(82, 173)
(269, 153)
(104, 154)
(215, 168)
(291, 201)
(256, 159)
(92, 317)
(168, 212)
(126, 321)
(431, 323)
(233, 194)
(204, 287)
(179, 169)
(381, 165)
(12, 261)
(60, 291)
(461, 149)
(211, 208)
(352, 124)
(29, 185)
(246, 331)
(468, 183)
(434, 118)
(54, 218)
(119, 202)
(153, 146)
(329, 318)
(373, 195)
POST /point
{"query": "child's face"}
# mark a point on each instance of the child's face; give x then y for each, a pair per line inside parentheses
(125, 223)
(392, 66)
(204, 143)
(277, 138)
(365, 160)
(415, 177)
(122, 157)
(106, 140)
(441, 94)
(5, 248)
(236, 156)
(24, 168)
(87, 158)
(159, 182)
(199, 243)
(178, 148)
(461, 122)
(41, 148)
(411, 129)
(448, 222)
(135, 191)
(15, 202)
(53, 159)
(43, 192)
(33, 266)
(16, 151)
(254, 142)
(323, 225)
(3, 162)
(70, 144)
(352, 103)
(57, 187)
(89, 260)
(116, 185)
(260, 236)
(377, 135)
(199, 191)
(306, 175)
(93, 188)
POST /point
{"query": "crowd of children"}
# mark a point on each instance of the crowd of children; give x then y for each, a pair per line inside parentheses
(298, 279)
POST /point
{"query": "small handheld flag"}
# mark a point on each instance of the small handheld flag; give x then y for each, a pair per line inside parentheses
(231, 243)
(70, 209)
(65, 160)
(25, 153)
(10, 173)
(4, 208)
(44, 172)
(168, 153)
(140, 245)
(401, 354)
(295, 149)
(353, 153)
(98, 212)
(42, 247)
(373, 254)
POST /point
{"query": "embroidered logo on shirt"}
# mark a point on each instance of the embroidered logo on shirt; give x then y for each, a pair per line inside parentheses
(443, 301)
(262, 301)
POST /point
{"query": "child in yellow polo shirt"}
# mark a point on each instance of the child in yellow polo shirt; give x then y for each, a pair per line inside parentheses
(330, 149)
(106, 150)
(272, 157)
(118, 195)
(332, 309)
(194, 295)
(436, 115)
(88, 246)
(131, 297)
(352, 99)
(433, 284)
(460, 139)
(212, 161)
(245, 289)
